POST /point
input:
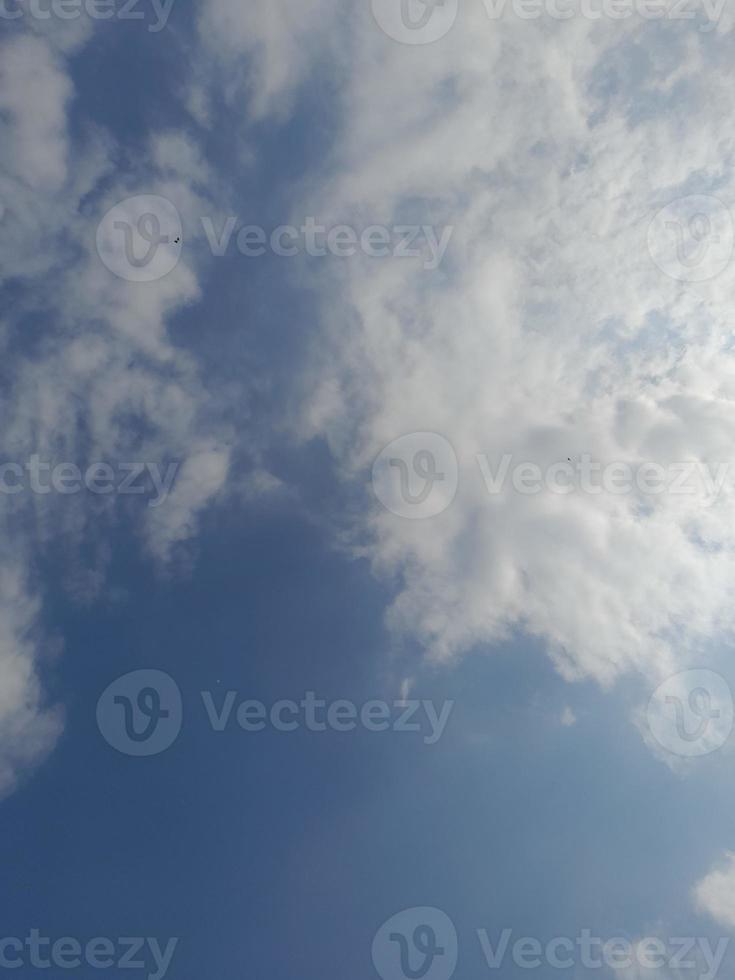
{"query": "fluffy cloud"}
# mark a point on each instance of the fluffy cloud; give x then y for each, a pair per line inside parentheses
(715, 893)
(34, 92)
(202, 477)
(549, 332)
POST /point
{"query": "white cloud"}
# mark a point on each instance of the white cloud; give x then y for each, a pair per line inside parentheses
(202, 477)
(284, 45)
(568, 718)
(548, 332)
(105, 381)
(28, 729)
(34, 93)
(715, 893)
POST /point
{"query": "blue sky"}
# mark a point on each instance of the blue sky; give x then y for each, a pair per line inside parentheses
(548, 371)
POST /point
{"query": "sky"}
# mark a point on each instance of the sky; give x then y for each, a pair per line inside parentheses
(366, 564)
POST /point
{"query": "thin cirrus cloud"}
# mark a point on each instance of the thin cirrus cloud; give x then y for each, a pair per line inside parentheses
(104, 381)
